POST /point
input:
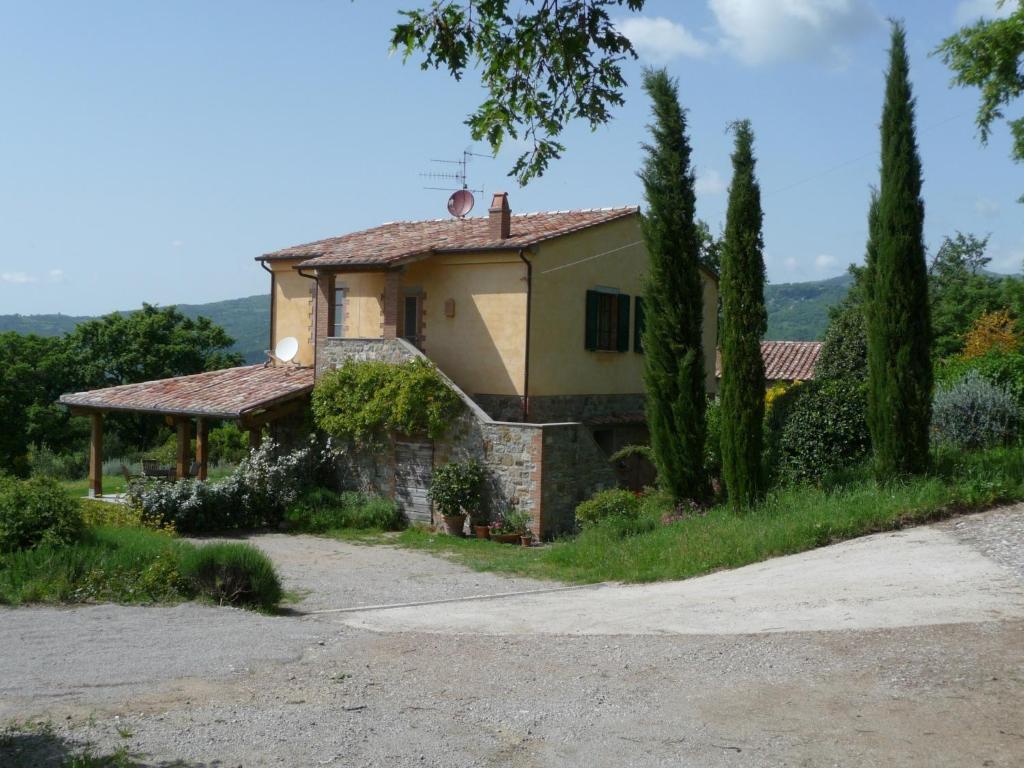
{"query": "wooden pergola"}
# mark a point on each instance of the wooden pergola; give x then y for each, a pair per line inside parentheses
(253, 396)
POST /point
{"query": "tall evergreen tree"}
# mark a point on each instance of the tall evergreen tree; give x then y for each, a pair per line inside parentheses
(744, 322)
(899, 328)
(673, 303)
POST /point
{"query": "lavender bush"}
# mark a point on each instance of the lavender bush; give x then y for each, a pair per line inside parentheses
(974, 413)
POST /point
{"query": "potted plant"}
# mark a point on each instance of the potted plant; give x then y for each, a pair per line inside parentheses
(519, 522)
(455, 489)
(481, 527)
(509, 527)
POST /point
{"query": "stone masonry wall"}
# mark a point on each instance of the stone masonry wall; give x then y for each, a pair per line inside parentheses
(544, 469)
(546, 409)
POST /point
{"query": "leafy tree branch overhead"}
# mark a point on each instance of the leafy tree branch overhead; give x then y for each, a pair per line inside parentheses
(543, 64)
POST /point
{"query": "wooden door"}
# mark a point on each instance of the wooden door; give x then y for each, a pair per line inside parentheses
(414, 461)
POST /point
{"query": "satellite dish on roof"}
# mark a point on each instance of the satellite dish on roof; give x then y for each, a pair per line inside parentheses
(460, 203)
(286, 349)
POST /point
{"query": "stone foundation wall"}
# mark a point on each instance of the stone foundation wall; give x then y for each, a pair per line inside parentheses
(545, 469)
(547, 409)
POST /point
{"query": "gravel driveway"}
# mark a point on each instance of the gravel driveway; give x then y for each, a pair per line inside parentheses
(222, 687)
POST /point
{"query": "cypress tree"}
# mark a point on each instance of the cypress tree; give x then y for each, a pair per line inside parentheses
(673, 301)
(899, 328)
(744, 322)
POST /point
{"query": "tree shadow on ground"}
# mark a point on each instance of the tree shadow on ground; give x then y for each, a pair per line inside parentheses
(37, 746)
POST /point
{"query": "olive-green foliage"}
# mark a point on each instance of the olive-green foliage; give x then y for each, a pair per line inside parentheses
(673, 355)
(604, 505)
(456, 489)
(1004, 369)
(825, 430)
(744, 322)
(123, 565)
(974, 413)
(319, 510)
(361, 401)
(228, 444)
(844, 353)
(232, 574)
(713, 443)
(899, 331)
(36, 512)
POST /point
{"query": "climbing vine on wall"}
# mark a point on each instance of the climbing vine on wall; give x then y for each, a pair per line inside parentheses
(363, 401)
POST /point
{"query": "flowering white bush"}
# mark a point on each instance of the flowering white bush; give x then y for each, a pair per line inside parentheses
(255, 495)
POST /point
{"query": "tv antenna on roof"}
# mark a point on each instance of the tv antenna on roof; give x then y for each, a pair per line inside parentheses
(461, 201)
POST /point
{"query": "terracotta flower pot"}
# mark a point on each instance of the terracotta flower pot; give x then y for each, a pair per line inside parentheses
(505, 538)
(482, 531)
(526, 540)
(454, 524)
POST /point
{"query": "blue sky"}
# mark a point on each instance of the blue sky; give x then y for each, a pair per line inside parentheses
(151, 150)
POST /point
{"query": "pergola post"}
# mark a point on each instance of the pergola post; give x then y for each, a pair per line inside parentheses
(96, 456)
(202, 447)
(255, 437)
(184, 445)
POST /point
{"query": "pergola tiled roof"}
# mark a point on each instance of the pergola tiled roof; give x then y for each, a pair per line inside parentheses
(397, 242)
(785, 360)
(232, 393)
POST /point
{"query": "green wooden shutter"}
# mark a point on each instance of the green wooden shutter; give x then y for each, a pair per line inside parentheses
(622, 337)
(639, 323)
(593, 305)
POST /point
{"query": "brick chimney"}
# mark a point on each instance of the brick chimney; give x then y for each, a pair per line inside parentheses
(499, 221)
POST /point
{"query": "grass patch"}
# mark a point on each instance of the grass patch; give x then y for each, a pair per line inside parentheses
(322, 511)
(122, 565)
(791, 520)
(232, 574)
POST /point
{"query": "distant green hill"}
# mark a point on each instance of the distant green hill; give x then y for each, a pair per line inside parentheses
(246, 320)
(796, 312)
(799, 311)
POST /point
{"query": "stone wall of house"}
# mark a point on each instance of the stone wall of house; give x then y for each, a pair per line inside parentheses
(544, 469)
(546, 409)
(331, 353)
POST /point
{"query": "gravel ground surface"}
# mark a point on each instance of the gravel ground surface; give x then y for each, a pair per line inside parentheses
(998, 534)
(219, 687)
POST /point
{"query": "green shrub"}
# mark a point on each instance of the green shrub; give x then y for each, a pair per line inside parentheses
(232, 574)
(825, 430)
(456, 489)
(320, 510)
(36, 512)
(124, 565)
(44, 462)
(361, 401)
(1004, 369)
(603, 505)
(228, 444)
(974, 413)
(713, 441)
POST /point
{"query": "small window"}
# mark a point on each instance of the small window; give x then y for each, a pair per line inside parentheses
(639, 323)
(607, 321)
(337, 320)
(411, 324)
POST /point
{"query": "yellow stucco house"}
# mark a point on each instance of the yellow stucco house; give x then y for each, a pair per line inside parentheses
(535, 316)
(534, 319)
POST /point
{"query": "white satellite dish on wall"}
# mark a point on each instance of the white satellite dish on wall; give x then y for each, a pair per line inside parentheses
(286, 349)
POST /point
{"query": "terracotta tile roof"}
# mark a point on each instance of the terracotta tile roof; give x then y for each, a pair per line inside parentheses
(785, 360)
(391, 244)
(225, 394)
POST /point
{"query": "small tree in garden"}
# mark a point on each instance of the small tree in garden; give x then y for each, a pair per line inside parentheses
(992, 332)
(744, 322)
(899, 330)
(456, 489)
(673, 302)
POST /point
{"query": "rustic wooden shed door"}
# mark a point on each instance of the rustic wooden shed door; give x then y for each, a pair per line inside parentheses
(413, 464)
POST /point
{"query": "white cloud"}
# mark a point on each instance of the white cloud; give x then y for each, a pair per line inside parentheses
(18, 278)
(659, 39)
(710, 183)
(969, 11)
(176, 243)
(791, 264)
(56, 275)
(758, 31)
(823, 261)
(987, 207)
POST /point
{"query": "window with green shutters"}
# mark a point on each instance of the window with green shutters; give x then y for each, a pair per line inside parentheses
(639, 323)
(607, 325)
